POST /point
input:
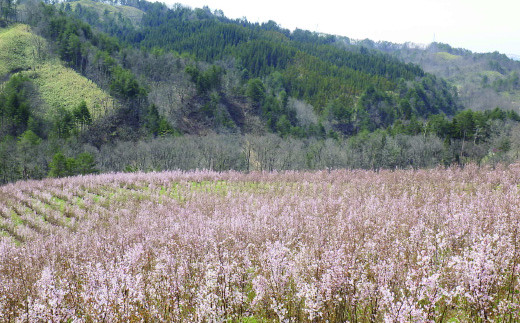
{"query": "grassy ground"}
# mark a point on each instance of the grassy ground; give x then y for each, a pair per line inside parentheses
(20, 49)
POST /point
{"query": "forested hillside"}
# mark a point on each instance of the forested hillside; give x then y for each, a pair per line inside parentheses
(236, 60)
(93, 86)
(484, 80)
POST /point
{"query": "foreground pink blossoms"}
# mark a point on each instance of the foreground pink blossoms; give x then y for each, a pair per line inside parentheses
(358, 246)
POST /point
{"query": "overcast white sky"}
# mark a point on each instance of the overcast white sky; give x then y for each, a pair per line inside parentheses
(478, 25)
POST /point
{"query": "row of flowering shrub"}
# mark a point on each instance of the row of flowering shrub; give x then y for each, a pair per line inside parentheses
(397, 246)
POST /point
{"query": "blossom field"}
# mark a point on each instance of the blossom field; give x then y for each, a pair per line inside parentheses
(437, 245)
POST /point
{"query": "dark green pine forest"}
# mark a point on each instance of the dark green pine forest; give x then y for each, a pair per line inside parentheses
(181, 88)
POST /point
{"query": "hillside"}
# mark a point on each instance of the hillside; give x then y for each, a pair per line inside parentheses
(106, 13)
(62, 88)
(301, 65)
(20, 50)
(429, 245)
(484, 80)
(56, 87)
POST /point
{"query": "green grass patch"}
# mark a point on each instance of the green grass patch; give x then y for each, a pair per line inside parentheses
(96, 198)
(20, 49)
(252, 319)
(163, 191)
(62, 87)
(254, 187)
(447, 56)
(492, 75)
(58, 86)
(8, 232)
(80, 202)
(125, 194)
(59, 204)
(58, 200)
(17, 220)
(175, 193)
(220, 187)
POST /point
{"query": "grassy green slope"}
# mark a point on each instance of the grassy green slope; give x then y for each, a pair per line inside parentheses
(21, 51)
(62, 87)
(447, 56)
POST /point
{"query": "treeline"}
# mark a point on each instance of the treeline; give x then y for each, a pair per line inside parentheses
(15, 112)
(466, 125)
(8, 11)
(30, 158)
(350, 90)
(85, 49)
(413, 146)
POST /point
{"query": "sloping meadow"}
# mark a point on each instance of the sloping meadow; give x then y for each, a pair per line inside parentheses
(427, 245)
(22, 52)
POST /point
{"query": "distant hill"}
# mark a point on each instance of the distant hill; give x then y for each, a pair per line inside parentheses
(484, 80)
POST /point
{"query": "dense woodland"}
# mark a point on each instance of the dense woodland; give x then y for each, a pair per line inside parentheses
(194, 89)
